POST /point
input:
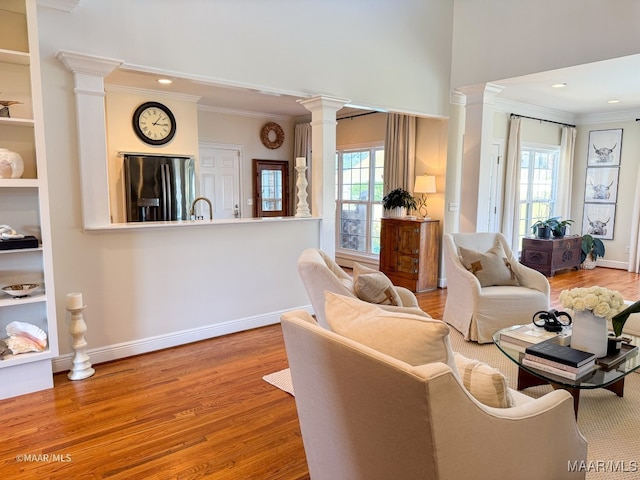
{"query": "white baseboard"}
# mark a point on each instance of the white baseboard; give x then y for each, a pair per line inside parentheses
(601, 262)
(151, 344)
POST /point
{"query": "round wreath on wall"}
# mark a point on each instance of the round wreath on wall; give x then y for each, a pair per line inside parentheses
(272, 135)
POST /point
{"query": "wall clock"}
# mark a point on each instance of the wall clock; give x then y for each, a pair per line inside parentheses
(154, 123)
(272, 135)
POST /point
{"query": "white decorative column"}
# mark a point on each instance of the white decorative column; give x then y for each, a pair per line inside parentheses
(89, 72)
(302, 209)
(81, 366)
(323, 165)
(453, 177)
(476, 164)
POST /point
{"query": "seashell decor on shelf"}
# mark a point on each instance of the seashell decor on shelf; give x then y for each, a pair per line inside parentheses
(25, 337)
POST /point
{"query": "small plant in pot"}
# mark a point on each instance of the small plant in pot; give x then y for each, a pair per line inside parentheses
(592, 248)
(398, 202)
(542, 228)
(559, 227)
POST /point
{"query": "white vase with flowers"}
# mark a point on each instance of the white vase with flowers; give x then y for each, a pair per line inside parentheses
(592, 307)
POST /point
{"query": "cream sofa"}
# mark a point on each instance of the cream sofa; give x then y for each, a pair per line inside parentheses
(365, 415)
(320, 274)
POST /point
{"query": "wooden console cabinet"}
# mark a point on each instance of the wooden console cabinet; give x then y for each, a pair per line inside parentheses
(549, 256)
(409, 252)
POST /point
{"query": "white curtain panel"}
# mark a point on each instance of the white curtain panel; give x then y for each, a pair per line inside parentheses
(634, 241)
(565, 173)
(511, 210)
(399, 152)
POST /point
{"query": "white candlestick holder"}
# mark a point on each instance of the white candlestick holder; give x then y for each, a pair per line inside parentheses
(81, 366)
(302, 209)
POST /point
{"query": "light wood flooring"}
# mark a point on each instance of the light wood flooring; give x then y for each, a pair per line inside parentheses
(196, 411)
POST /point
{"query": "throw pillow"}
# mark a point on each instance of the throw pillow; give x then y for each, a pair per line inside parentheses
(411, 338)
(490, 268)
(485, 383)
(373, 286)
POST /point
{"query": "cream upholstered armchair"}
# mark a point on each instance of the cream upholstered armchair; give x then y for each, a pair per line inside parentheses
(478, 311)
(365, 415)
(320, 274)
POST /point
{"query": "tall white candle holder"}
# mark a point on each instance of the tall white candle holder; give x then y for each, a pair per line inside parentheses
(302, 209)
(81, 365)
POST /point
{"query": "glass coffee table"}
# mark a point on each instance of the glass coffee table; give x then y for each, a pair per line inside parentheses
(600, 377)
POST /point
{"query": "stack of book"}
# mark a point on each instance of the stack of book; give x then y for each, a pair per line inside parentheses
(559, 360)
(520, 338)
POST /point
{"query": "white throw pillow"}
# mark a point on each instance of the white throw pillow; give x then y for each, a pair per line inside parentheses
(487, 384)
(490, 268)
(374, 286)
(411, 338)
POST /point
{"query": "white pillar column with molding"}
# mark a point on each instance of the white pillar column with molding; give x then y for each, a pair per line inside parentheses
(323, 165)
(453, 184)
(476, 164)
(89, 72)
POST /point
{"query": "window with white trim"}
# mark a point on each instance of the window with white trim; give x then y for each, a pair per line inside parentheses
(359, 199)
(538, 185)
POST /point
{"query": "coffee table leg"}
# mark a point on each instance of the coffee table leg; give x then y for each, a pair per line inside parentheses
(526, 379)
(575, 393)
(617, 387)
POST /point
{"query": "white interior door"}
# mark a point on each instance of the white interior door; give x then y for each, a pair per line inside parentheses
(219, 176)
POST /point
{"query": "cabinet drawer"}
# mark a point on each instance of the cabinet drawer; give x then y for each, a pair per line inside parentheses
(536, 257)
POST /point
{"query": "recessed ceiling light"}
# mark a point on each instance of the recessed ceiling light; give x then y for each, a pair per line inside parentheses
(613, 101)
(164, 81)
(559, 85)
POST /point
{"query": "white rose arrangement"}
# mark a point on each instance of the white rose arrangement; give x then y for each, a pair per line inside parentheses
(600, 301)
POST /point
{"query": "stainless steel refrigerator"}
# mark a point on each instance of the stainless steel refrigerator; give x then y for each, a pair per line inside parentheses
(159, 188)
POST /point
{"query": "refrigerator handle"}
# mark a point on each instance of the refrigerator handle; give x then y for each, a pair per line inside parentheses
(166, 193)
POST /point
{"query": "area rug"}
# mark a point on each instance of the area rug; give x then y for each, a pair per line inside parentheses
(281, 380)
(610, 424)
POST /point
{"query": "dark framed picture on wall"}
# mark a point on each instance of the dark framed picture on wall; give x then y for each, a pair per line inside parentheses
(601, 185)
(604, 148)
(599, 219)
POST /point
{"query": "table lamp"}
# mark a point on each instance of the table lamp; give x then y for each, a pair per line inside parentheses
(424, 184)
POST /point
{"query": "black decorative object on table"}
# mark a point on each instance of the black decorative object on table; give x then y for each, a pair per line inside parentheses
(551, 321)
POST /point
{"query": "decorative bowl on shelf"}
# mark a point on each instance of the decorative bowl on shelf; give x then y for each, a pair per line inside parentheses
(20, 290)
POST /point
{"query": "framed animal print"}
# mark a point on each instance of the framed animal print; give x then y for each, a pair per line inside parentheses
(604, 148)
(601, 185)
(599, 220)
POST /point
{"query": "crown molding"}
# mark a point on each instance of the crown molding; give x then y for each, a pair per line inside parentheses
(244, 113)
(609, 117)
(64, 5)
(154, 93)
(536, 111)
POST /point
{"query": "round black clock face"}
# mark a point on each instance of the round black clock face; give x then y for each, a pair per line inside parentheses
(154, 123)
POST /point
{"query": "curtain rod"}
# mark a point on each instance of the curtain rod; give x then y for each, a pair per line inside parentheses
(543, 120)
(356, 115)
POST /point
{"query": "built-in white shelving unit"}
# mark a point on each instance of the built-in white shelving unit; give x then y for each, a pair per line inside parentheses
(24, 202)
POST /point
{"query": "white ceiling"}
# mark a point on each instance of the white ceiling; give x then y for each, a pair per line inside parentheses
(589, 88)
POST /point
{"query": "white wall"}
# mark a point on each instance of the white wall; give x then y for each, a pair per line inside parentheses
(141, 285)
(375, 54)
(495, 39)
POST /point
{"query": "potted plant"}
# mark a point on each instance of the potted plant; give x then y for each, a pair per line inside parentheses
(592, 248)
(542, 228)
(398, 201)
(559, 227)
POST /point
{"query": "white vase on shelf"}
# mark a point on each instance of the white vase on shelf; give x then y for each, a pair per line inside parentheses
(11, 164)
(589, 333)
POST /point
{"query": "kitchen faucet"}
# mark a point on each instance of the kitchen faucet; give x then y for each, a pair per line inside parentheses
(193, 207)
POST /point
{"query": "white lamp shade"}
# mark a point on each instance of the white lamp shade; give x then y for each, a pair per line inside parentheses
(425, 184)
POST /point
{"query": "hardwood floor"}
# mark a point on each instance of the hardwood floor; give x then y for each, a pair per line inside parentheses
(196, 411)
